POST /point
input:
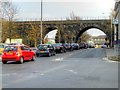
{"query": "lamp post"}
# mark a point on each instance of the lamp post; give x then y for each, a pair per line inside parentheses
(111, 18)
(41, 24)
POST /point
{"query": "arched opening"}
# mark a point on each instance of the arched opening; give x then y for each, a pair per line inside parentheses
(95, 32)
(50, 36)
(97, 36)
(95, 29)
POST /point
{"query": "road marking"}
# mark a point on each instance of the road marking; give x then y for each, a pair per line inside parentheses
(42, 74)
(4, 75)
(72, 71)
(53, 69)
(66, 56)
(58, 59)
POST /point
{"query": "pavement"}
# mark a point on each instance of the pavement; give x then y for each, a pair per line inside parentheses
(112, 54)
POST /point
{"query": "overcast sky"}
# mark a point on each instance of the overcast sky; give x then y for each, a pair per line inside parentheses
(61, 9)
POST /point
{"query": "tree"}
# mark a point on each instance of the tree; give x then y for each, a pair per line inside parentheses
(70, 34)
(73, 17)
(85, 37)
(57, 37)
(34, 33)
(0, 21)
(9, 12)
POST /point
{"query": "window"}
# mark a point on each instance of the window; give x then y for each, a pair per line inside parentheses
(11, 48)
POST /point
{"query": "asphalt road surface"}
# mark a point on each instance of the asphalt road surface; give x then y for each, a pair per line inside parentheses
(85, 68)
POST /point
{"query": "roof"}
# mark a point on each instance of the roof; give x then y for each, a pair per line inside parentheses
(99, 37)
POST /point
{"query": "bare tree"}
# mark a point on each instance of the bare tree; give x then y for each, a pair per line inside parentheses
(0, 21)
(85, 37)
(73, 17)
(33, 33)
(9, 12)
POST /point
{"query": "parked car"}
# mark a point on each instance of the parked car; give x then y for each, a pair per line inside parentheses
(45, 49)
(75, 46)
(104, 45)
(83, 45)
(68, 47)
(91, 45)
(2, 47)
(59, 48)
(18, 53)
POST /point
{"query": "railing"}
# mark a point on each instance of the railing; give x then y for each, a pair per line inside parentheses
(62, 19)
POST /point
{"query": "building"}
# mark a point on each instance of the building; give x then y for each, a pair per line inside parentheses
(99, 40)
(117, 24)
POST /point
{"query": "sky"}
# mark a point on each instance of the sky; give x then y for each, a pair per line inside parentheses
(61, 9)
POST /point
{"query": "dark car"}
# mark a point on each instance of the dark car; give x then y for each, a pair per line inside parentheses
(75, 46)
(45, 49)
(68, 46)
(82, 45)
(59, 48)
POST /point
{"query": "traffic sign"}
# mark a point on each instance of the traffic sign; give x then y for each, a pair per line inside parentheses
(115, 21)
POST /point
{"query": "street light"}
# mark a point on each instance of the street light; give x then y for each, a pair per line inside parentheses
(41, 24)
(111, 18)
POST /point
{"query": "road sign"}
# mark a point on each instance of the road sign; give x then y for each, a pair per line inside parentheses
(115, 21)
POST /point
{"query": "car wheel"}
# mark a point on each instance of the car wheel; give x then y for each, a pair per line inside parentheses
(60, 50)
(37, 55)
(54, 53)
(33, 58)
(49, 54)
(4, 62)
(21, 60)
(64, 51)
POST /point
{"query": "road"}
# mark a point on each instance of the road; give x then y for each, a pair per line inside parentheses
(83, 68)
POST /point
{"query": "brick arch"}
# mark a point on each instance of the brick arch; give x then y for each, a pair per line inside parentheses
(108, 34)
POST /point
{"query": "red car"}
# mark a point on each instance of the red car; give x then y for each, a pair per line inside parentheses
(18, 53)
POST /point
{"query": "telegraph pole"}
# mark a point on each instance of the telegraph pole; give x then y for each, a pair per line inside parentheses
(41, 24)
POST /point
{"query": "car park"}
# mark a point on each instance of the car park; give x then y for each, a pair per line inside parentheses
(18, 53)
(45, 49)
(59, 48)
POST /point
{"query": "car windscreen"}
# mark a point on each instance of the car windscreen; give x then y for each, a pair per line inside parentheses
(10, 48)
(42, 47)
